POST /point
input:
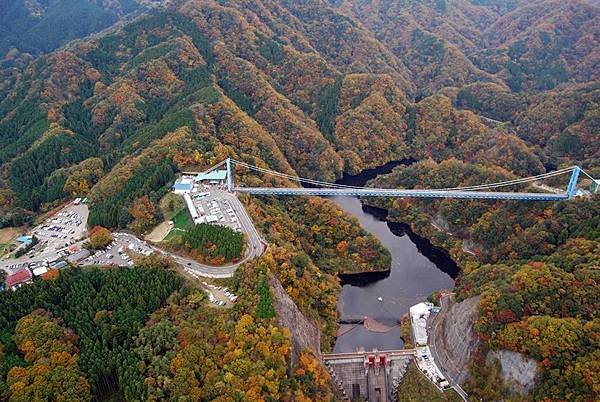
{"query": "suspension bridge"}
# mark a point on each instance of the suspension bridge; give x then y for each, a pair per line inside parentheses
(488, 191)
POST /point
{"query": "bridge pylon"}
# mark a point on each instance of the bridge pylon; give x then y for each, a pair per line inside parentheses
(229, 176)
(486, 191)
(572, 186)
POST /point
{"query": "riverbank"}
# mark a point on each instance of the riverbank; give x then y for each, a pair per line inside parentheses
(417, 269)
(462, 252)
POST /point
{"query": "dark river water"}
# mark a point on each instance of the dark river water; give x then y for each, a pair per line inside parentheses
(418, 269)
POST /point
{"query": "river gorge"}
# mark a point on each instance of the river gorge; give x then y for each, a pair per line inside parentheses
(417, 270)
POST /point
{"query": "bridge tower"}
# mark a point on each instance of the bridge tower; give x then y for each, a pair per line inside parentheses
(229, 176)
(572, 187)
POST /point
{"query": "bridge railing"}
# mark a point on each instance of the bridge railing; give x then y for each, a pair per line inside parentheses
(329, 192)
(482, 191)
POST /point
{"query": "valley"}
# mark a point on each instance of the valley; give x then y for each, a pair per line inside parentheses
(377, 155)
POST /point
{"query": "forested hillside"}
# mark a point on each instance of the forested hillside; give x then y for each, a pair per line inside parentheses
(140, 334)
(29, 28)
(535, 265)
(255, 82)
(471, 90)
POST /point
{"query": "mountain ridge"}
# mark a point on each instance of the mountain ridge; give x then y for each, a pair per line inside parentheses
(318, 89)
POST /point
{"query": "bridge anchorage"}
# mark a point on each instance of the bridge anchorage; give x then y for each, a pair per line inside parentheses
(482, 191)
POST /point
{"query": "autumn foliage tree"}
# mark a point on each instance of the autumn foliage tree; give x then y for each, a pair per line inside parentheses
(144, 213)
(53, 372)
(99, 238)
(83, 176)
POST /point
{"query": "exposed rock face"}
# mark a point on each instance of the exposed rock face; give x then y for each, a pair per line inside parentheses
(454, 338)
(454, 341)
(518, 370)
(305, 334)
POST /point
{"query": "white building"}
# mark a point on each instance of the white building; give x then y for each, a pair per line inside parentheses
(191, 207)
(418, 319)
(40, 271)
(183, 186)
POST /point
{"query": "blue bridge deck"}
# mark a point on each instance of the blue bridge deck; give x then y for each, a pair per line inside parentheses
(485, 195)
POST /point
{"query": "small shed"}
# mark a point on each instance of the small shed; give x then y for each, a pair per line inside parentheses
(40, 271)
(25, 240)
(78, 256)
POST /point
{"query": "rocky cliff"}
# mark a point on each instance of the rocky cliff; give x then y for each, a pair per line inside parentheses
(453, 337)
(454, 342)
(518, 371)
(305, 334)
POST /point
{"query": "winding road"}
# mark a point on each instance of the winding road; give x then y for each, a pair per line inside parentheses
(255, 246)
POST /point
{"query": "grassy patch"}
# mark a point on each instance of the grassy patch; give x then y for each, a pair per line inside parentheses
(6, 248)
(415, 387)
(181, 221)
(170, 205)
(7, 238)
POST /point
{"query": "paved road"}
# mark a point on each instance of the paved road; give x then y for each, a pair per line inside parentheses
(255, 246)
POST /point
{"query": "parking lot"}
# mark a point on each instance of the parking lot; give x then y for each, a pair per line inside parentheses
(62, 229)
(215, 209)
(218, 296)
(65, 229)
(119, 252)
(211, 204)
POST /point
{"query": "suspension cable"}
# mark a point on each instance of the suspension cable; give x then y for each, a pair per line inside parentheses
(325, 184)
(588, 175)
(512, 182)
(485, 186)
(464, 188)
(293, 178)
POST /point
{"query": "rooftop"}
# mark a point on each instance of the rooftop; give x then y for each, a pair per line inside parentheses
(18, 277)
(182, 186)
(59, 265)
(80, 255)
(25, 239)
(40, 271)
(214, 175)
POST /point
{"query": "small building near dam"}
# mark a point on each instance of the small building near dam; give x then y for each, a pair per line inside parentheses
(418, 320)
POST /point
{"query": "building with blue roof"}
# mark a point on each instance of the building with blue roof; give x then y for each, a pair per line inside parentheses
(59, 265)
(25, 240)
(183, 186)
